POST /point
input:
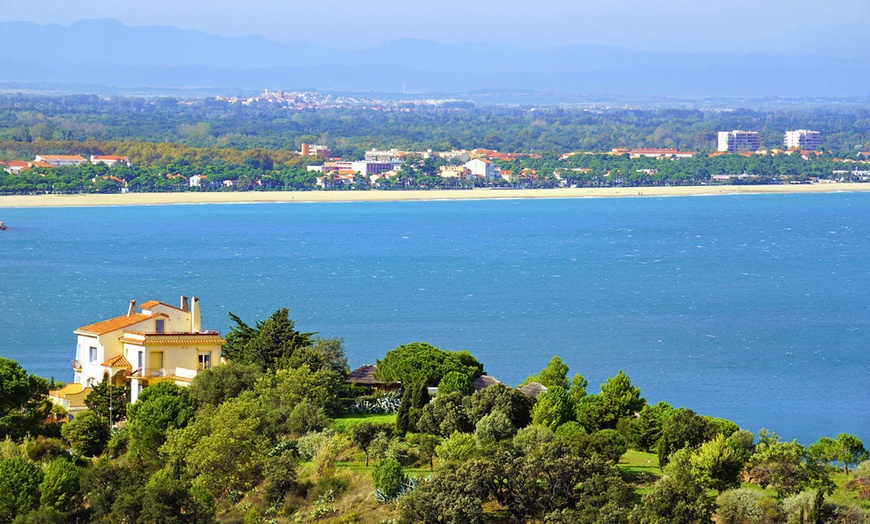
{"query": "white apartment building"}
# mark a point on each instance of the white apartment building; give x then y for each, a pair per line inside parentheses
(739, 141)
(803, 140)
(481, 167)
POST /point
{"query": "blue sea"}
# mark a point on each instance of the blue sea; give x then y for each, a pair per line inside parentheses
(755, 308)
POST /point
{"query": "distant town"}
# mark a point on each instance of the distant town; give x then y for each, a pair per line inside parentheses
(301, 140)
(301, 100)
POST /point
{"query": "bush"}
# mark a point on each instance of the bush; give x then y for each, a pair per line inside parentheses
(280, 471)
(494, 427)
(794, 504)
(569, 428)
(87, 434)
(456, 448)
(388, 477)
(43, 448)
(738, 506)
(308, 444)
(306, 417)
(532, 437)
(455, 381)
(61, 485)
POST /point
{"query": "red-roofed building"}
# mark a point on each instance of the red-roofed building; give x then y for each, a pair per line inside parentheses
(197, 180)
(14, 166)
(481, 167)
(160, 342)
(110, 160)
(61, 160)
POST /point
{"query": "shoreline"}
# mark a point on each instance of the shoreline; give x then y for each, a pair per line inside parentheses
(145, 199)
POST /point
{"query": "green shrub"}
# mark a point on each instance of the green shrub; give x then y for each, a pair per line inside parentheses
(388, 477)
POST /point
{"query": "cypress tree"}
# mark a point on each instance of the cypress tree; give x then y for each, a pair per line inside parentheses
(420, 395)
(403, 422)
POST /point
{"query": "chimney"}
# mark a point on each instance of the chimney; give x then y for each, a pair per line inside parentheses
(184, 303)
(132, 309)
(195, 316)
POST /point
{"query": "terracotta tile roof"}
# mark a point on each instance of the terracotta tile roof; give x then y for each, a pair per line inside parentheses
(152, 303)
(175, 339)
(117, 362)
(109, 157)
(113, 324)
(74, 158)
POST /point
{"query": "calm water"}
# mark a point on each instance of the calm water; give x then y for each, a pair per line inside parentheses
(753, 308)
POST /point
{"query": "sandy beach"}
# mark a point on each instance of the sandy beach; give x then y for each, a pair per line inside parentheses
(143, 199)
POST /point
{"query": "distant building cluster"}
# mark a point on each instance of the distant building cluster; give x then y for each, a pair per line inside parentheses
(300, 100)
(380, 165)
(738, 141)
(53, 161)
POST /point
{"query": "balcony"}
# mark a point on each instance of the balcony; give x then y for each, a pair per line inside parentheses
(158, 374)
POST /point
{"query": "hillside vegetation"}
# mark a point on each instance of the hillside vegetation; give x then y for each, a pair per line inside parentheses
(277, 435)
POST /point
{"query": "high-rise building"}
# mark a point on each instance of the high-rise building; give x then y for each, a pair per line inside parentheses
(803, 140)
(739, 141)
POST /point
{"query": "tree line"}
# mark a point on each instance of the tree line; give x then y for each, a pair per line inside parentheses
(168, 167)
(349, 132)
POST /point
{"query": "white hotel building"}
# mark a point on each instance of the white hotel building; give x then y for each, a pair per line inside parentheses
(803, 140)
(739, 141)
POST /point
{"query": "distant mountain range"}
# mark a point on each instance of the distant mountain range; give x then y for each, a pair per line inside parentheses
(106, 52)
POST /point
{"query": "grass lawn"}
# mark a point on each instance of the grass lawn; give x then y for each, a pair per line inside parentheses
(341, 424)
(641, 470)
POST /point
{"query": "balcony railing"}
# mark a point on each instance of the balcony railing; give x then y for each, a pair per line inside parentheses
(161, 373)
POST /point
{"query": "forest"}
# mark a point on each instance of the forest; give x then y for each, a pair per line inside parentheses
(349, 132)
(279, 434)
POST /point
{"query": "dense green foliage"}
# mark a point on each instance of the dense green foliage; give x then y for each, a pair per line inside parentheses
(265, 344)
(252, 443)
(23, 406)
(418, 361)
(214, 123)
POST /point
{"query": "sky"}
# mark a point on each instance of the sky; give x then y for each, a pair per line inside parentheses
(827, 28)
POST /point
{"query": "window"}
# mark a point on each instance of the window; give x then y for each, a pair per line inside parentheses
(204, 361)
(92, 354)
(140, 361)
(159, 325)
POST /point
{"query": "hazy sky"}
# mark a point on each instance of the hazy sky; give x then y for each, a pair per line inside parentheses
(828, 27)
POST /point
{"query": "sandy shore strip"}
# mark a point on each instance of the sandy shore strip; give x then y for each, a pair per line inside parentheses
(144, 199)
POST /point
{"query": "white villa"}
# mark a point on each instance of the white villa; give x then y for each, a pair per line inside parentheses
(159, 342)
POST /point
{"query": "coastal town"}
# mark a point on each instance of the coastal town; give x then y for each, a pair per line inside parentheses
(482, 167)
